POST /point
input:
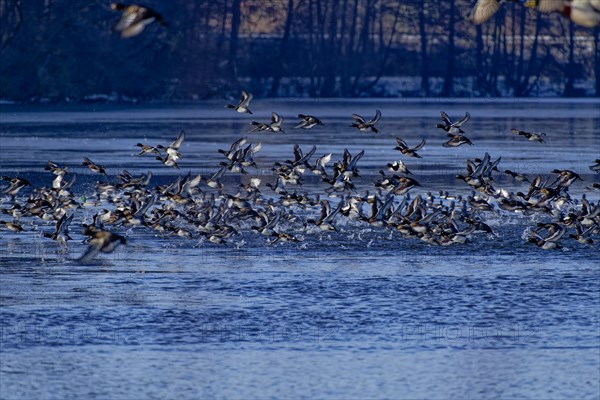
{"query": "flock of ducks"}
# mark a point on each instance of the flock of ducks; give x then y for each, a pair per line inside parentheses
(183, 208)
(206, 210)
(134, 17)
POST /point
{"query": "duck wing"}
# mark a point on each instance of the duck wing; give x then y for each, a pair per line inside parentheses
(420, 145)
(130, 17)
(90, 253)
(177, 143)
(464, 120)
(325, 210)
(401, 143)
(276, 119)
(547, 6)
(245, 99)
(354, 161)
(376, 119)
(446, 119)
(358, 119)
(484, 10)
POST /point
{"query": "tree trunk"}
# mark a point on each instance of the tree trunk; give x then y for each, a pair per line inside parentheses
(424, 58)
(532, 56)
(496, 62)
(329, 84)
(597, 59)
(479, 60)
(234, 39)
(283, 49)
(448, 89)
(347, 71)
(570, 67)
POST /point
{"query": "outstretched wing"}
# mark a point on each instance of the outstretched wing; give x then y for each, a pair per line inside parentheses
(91, 253)
(420, 145)
(325, 210)
(245, 99)
(547, 6)
(446, 118)
(355, 160)
(130, 17)
(177, 143)
(276, 119)
(465, 119)
(297, 152)
(401, 143)
(358, 119)
(331, 215)
(484, 10)
(376, 119)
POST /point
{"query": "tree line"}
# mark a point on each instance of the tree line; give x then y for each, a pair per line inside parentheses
(63, 49)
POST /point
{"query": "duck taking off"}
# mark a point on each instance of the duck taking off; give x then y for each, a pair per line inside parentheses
(100, 241)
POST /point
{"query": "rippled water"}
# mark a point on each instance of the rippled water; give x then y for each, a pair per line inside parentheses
(358, 313)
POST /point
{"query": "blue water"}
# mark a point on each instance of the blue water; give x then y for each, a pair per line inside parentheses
(357, 313)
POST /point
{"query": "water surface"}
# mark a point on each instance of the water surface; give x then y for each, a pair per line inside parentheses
(357, 313)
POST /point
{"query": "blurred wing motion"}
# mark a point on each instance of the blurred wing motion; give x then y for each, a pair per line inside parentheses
(484, 10)
(135, 18)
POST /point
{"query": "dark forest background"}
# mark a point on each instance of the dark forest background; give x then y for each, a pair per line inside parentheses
(58, 50)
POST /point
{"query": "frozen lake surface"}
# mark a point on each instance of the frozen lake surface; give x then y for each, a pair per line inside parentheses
(356, 313)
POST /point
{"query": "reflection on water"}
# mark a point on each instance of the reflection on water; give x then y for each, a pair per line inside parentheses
(355, 313)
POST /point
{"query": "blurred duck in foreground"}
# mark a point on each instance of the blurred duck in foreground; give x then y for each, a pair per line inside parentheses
(135, 18)
(582, 12)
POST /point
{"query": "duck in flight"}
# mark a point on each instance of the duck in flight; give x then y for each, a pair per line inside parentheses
(274, 126)
(172, 152)
(100, 241)
(16, 184)
(407, 151)
(453, 127)
(99, 169)
(61, 231)
(457, 140)
(365, 126)
(308, 122)
(244, 104)
(532, 137)
(134, 19)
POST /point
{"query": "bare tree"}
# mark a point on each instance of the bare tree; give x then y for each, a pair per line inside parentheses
(448, 88)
